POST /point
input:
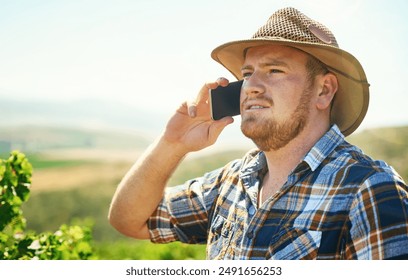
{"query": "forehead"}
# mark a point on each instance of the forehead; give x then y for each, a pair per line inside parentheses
(275, 52)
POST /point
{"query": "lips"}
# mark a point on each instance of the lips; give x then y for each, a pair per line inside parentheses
(252, 105)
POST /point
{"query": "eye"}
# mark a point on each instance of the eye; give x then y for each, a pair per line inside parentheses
(246, 75)
(274, 71)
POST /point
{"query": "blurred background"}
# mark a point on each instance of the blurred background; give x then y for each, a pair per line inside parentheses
(85, 86)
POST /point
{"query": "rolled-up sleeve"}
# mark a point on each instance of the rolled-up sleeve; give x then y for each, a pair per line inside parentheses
(183, 213)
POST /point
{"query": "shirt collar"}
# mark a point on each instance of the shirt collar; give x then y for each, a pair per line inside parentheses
(324, 147)
(256, 160)
(253, 162)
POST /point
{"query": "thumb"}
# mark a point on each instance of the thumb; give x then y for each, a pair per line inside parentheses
(218, 126)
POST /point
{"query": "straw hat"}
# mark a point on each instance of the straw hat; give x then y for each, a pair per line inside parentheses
(289, 27)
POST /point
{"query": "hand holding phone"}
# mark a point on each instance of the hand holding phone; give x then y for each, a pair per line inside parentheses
(225, 101)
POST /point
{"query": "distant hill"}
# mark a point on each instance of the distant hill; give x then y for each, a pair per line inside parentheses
(37, 139)
(389, 144)
(79, 113)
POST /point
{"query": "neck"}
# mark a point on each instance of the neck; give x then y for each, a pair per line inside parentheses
(284, 160)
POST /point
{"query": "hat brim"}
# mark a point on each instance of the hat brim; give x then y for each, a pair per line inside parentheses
(352, 98)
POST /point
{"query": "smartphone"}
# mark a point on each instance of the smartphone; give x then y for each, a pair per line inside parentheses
(225, 101)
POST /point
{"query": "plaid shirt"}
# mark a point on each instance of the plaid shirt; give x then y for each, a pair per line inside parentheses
(336, 204)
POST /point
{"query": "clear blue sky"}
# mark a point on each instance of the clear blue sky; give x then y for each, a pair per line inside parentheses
(156, 53)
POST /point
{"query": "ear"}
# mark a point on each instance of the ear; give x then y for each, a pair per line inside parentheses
(329, 88)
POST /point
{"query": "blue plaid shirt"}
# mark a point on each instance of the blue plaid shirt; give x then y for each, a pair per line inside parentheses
(336, 204)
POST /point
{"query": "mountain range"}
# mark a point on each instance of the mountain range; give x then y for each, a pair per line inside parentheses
(79, 113)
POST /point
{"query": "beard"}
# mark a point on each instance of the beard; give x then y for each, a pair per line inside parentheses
(269, 134)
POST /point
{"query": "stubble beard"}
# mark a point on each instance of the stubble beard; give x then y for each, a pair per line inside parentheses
(269, 134)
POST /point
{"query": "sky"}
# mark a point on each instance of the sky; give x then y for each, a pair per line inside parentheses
(154, 54)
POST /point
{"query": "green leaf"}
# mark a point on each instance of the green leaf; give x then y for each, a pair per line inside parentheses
(23, 192)
(3, 238)
(6, 215)
(2, 169)
(26, 168)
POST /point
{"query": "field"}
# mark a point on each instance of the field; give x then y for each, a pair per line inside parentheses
(73, 189)
(74, 183)
(75, 176)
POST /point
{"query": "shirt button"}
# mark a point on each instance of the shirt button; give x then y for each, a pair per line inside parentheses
(250, 234)
(251, 211)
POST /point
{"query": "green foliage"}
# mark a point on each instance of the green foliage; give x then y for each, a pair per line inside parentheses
(127, 249)
(68, 242)
(15, 179)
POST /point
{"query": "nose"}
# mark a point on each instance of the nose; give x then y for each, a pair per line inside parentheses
(252, 86)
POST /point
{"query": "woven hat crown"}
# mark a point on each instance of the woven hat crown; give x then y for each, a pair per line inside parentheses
(290, 24)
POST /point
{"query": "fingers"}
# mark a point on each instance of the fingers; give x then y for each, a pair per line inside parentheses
(192, 109)
(203, 94)
(219, 82)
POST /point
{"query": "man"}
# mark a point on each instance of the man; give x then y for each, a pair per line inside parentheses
(305, 193)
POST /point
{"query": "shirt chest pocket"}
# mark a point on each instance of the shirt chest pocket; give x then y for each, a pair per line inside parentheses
(295, 244)
(219, 237)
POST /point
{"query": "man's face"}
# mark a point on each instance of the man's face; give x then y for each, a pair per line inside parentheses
(275, 96)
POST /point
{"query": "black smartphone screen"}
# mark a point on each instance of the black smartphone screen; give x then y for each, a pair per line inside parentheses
(225, 101)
